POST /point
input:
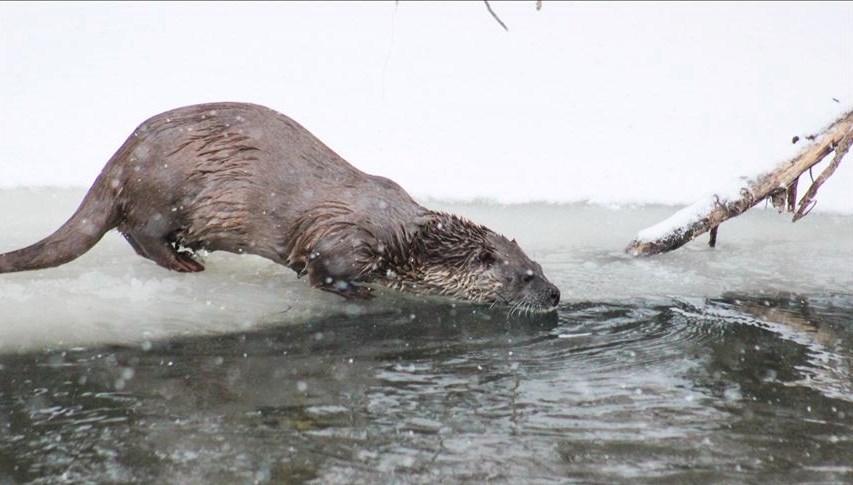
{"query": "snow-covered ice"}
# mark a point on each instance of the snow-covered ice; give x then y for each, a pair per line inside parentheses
(112, 295)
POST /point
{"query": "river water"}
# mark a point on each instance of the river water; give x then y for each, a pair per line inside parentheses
(732, 364)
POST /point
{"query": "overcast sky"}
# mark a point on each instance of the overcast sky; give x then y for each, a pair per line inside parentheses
(610, 102)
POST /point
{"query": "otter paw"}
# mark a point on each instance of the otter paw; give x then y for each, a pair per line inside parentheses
(349, 290)
(360, 293)
(185, 263)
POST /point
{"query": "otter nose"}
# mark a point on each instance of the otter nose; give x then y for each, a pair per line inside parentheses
(554, 293)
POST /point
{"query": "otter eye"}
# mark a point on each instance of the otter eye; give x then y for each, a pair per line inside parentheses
(487, 258)
(528, 276)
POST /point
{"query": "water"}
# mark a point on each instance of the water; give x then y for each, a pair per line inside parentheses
(725, 365)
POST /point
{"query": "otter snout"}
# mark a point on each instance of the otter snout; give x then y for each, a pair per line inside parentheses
(548, 294)
(543, 294)
(554, 294)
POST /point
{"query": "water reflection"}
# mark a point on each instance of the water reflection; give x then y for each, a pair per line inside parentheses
(736, 388)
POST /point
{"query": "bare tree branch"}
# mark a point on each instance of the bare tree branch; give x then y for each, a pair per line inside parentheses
(779, 185)
(488, 6)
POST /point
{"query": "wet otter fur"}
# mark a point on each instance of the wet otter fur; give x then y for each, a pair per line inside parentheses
(245, 179)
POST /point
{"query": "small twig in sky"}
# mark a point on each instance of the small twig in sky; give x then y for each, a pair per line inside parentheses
(488, 6)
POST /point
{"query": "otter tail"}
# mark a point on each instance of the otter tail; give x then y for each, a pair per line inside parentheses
(97, 214)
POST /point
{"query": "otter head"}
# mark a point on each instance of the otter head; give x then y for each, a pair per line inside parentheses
(454, 257)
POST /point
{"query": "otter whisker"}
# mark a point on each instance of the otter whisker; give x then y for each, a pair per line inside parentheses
(503, 300)
(516, 309)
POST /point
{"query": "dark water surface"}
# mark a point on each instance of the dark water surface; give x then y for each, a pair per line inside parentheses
(742, 388)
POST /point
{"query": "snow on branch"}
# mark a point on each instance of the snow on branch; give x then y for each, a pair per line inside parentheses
(779, 185)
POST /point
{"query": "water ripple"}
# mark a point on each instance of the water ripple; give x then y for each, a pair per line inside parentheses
(733, 389)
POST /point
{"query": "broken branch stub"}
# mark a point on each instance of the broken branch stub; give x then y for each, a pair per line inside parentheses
(780, 185)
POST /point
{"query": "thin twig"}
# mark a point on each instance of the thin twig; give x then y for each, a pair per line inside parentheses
(792, 195)
(488, 6)
(840, 150)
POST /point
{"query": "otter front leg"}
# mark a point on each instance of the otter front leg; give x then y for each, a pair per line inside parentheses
(335, 267)
(335, 254)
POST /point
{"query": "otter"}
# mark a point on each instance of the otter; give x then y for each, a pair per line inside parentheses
(243, 178)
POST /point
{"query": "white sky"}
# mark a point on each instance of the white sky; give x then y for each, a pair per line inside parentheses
(610, 102)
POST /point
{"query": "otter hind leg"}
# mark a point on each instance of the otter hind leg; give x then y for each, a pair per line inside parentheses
(163, 253)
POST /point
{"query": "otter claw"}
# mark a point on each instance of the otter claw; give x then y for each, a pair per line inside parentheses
(359, 293)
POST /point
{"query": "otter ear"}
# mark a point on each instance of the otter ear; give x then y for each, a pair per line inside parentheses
(487, 257)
